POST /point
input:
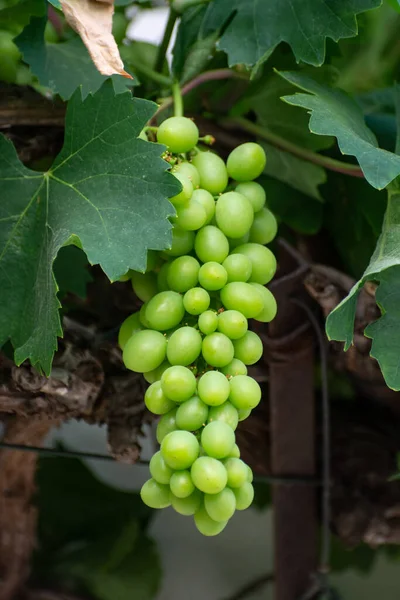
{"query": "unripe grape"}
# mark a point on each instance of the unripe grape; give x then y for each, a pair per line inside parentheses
(211, 245)
(155, 495)
(208, 322)
(245, 392)
(270, 307)
(232, 323)
(192, 414)
(183, 273)
(159, 469)
(207, 202)
(178, 383)
(196, 301)
(184, 346)
(144, 285)
(189, 505)
(212, 276)
(181, 484)
(244, 413)
(254, 192)
(244, 496)
(191, 216)
(249, 348)
(144, 351)
(241, 296)
(128, 328)
(155, 374)
(236, 472)
(212, 171)
(262, 259)
(209, 475)
(166, 425)
(234, 214)
(217, 439)
(162, 274)
(246, 162)
(236, 367)
(182, 242)
(180, 449)
(186, 192)
(213, 388)
(165, 310)
(179, 134)
(156, 401)
(186, 168)
(221, 506)
(238, 267)
(206, 525)
(217, 349)
(264, 227)
(226, 413)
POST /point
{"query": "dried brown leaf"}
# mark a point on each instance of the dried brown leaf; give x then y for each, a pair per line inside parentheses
(92, 20)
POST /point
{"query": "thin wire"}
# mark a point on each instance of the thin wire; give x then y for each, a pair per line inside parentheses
(65, 453)
(326, 452)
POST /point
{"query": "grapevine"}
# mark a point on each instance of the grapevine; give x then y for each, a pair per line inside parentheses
(191, 338)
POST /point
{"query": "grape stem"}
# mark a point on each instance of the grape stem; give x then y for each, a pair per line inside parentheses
(178, 102)
(162, 50)
(285, 145)
(163, 80)
(213, 75)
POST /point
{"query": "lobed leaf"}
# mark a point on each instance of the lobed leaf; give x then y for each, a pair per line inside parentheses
(253, 28)
(333, 112)
(106, 187)
(62, 67)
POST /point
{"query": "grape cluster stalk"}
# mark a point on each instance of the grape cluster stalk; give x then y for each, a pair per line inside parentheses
(191, 339)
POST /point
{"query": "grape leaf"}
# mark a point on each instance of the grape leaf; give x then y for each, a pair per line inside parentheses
(255, 27)
(384, 269)
(65, 66)
(18, 13)
(299, 174)
(186, 36)
(55, 3)
(333, 112)
(106, 187)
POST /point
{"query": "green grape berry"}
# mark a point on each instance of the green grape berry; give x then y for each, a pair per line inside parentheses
(128, 328)
(180, 449)
(156, 401)
(244, 495)
(144, 351)
(238, 267)
(178, 383)
(159, 470)
(189, 505)
(196, 301)
(186, 192)
(166, 425)
(245, 392)
(189, 170)
(232, 323)
(235, 367)
(234, 214)
(254, 192)
(217, 349)
(164, 311)
(212, 171)
(220, 507)
(206, 525)
(208, 322)
(181, 484)
(211, 245)
(249, 348)
(179, 134)
(183, 273)
(246, 162)
(217, 439)
(209, 475)
(184, 346)
(192, 414)
(213, 388)
(226, 413)
(144, 285)
(207, 202)
(155, 495)
(264, 227)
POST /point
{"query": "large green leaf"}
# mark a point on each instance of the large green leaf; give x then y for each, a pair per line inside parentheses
(15, 14)
(256, 27)
(384, 269)
(65, 66)
(106, 187)
(334, 113)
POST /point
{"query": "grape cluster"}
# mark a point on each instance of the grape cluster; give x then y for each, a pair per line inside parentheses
(191, 339)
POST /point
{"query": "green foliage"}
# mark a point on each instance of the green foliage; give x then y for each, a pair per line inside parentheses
(384, 269)
(71, 271)
(101, 160)
(335, 113)
(64, 66)
(263, 25)
(91, 537)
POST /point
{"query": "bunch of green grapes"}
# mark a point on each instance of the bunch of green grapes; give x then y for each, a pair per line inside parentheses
(191, 338)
